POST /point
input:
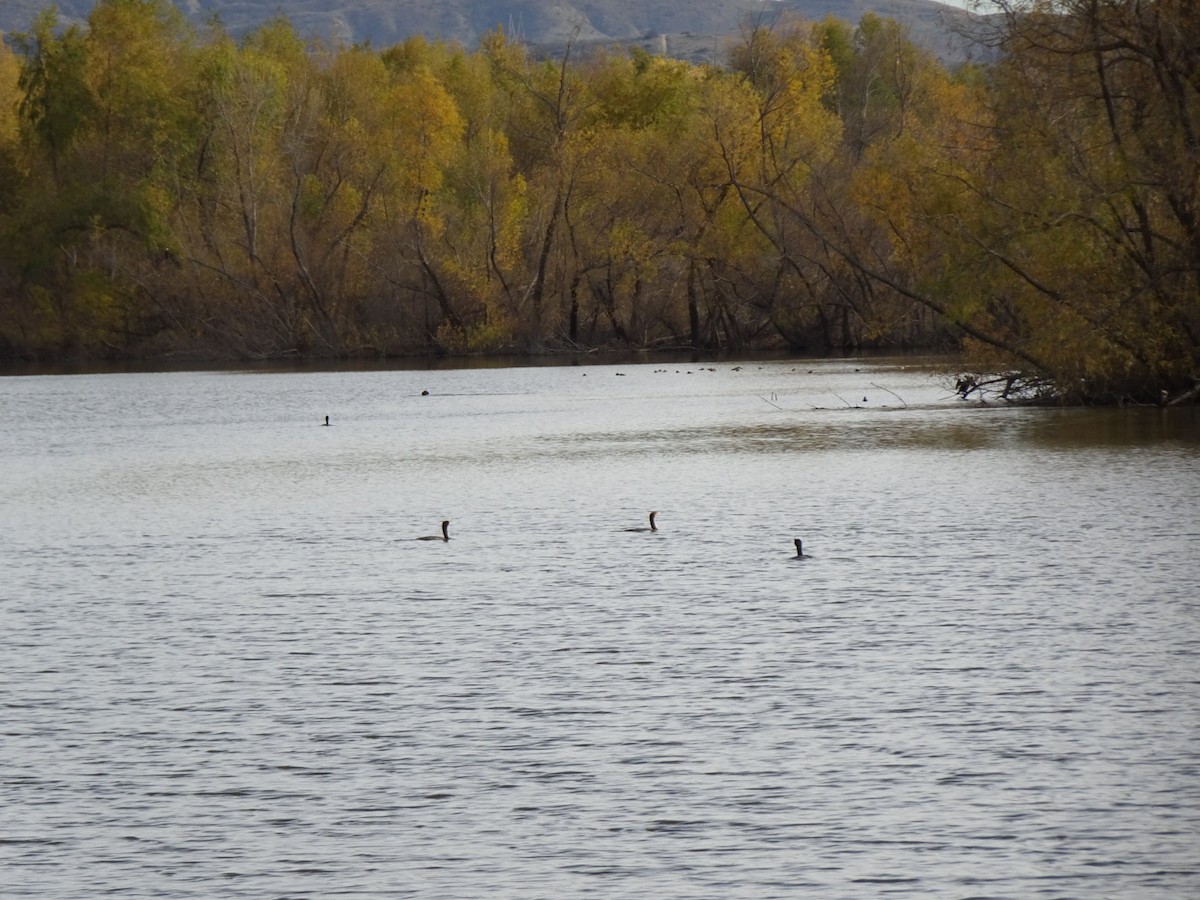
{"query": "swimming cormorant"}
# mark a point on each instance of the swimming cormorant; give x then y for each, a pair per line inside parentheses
(652, 527)
(444, 536)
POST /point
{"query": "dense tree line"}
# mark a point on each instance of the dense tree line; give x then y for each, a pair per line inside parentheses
(165, 190)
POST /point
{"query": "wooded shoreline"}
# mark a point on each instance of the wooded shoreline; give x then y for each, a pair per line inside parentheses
(174, 194)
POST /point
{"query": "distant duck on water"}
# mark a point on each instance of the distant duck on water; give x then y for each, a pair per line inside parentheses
(444, 536)
(652, 527)
(799, 549)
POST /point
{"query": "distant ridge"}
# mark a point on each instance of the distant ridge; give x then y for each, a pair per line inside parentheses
(693, 29)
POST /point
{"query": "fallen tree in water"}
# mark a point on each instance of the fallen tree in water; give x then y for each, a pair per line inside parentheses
(1020, 387)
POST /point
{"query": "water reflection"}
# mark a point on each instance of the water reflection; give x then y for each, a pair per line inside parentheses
(1120, 429)
(909, 429)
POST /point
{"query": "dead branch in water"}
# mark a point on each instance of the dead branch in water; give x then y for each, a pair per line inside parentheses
(893, 393)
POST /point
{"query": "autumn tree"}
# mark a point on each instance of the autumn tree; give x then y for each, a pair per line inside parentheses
(481, 204)
(786, 183)
(621, 269)
(547, 101)
(232, 198)
(1092, 208)
(99, 122)
(11, 179)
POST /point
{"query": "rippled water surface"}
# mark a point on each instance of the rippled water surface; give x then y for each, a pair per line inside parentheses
(228, 669)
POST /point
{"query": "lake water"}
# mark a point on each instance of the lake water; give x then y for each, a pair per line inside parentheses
(228, 669)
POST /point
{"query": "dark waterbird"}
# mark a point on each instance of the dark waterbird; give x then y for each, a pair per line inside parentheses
(444, 536)
(652, 527)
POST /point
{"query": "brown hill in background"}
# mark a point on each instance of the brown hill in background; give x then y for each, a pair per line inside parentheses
(689, 29)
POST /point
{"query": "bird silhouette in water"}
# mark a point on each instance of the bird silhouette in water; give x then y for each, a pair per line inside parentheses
(799, 549)
(327, 420)
(444, 536)
(652, 527)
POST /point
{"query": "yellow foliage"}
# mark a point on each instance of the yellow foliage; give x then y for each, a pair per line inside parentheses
(451, 337)
(10, 98)
(494, 334)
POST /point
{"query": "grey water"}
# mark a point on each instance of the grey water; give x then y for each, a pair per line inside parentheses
(229, 669)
